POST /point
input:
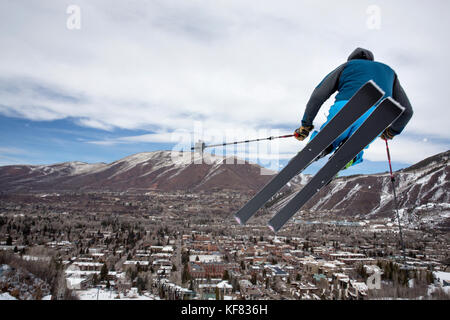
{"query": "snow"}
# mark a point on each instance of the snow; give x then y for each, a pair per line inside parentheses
(205, 258)
(133, 160)
(349, 194)
(35, 258)
(432, 288)
(81, 167)
(6, 296)
(135, 262)
(442, 276)
(103, 294)
(74, 282)
(76, 167)
(88, 264)
(224, 285)
(337, 186)
(176, 162)
(79, 273)
(213, 172)
(360, 286)
(167, 249)
(3, 268)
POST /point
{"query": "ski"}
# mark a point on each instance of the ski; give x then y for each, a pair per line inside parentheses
(385, 113)
(367, 96)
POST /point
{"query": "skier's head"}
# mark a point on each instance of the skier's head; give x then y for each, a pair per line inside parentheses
(360, 53)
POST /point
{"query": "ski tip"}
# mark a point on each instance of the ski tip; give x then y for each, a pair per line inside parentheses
(237, 220)
(394, 102)
(374, 84)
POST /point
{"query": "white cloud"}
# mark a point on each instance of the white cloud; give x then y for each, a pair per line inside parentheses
(93, 123)
(161, 65)
(163, 137)
(8, 155)
(404, 149)
(8, 150)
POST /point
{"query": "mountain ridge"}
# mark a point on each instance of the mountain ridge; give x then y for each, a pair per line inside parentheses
(157, 170)
(423, 188)
(422, 192)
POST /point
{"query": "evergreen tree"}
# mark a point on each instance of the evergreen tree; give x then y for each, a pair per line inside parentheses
(9, 241)
(185, 276)
(217, 293)
(95, 279)
(430, 277)
(140, 284)
(103, 272)
(253, 279)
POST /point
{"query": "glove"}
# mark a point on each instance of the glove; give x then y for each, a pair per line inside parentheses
(303, 132)
(387, 134)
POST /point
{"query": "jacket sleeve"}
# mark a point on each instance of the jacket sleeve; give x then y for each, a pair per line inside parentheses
(400, 96)
(321, 93)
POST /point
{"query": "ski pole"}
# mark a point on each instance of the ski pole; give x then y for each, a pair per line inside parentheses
(395, 201)
(243, 141)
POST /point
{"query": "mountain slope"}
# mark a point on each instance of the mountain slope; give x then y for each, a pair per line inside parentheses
(162, 170)
(421, 187)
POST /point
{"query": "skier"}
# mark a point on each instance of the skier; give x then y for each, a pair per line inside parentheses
(347, 79)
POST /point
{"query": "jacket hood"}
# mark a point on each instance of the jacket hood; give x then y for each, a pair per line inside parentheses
(360, 53)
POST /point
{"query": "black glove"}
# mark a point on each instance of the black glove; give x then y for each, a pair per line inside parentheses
(387, 134)
(303, 132)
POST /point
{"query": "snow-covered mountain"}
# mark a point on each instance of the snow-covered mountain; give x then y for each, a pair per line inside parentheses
(423, 192)
(423, 189)
(161, 170)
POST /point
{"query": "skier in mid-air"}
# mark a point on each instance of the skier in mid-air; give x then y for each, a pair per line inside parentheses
(347, 79)
(368, 90)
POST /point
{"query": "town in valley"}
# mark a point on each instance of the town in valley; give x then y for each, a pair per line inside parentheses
(186, 246)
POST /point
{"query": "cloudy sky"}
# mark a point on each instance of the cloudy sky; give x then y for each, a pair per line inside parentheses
(145, 75)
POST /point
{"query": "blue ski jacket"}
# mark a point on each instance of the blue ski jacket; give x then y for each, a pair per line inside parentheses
(349, 77)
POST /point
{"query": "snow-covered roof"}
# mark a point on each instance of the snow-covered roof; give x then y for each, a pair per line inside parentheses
(245, 283)
(74, 282)
(135, 262)
(167, 249)
(86, 264)
(442, 276)
(361, 286)
(224, 285)
(6, 296)
(205, 258)
(329, 265)
(371, 269)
